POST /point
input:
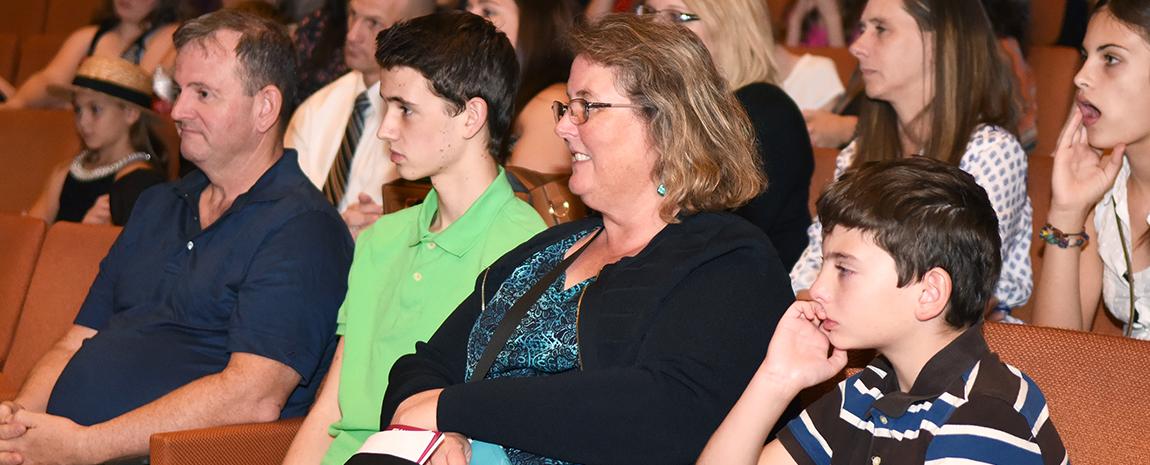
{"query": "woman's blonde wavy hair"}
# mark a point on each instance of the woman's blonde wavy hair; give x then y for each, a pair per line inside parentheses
(741, 39)
(705, 141)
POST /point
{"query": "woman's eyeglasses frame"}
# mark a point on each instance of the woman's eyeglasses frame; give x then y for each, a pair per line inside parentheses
(580, 109)
(674, 16)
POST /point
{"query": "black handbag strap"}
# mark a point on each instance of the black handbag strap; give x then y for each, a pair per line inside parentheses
(516, 312)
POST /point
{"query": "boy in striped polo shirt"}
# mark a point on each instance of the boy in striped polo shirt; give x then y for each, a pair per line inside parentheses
(911, 256)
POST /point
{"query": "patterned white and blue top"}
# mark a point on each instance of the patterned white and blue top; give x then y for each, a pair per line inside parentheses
(996, 160)
(545, 342)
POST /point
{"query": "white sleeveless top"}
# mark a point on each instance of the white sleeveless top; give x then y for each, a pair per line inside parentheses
(1115, 290)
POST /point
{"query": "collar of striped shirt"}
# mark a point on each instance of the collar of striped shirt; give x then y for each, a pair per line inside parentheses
(940, 373)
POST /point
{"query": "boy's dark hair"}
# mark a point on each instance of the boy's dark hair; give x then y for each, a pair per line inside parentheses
(925, 214)
(463, 56)
(265, 51)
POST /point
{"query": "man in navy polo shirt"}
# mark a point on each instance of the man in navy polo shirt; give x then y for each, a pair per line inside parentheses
(217, 303)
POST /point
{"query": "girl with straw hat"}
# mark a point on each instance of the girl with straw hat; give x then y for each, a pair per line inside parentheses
(122, 156)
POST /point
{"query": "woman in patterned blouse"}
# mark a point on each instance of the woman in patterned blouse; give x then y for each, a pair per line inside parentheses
(634, 352)
(936, 87)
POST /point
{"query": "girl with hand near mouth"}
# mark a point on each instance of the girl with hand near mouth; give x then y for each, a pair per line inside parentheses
(1103, 198)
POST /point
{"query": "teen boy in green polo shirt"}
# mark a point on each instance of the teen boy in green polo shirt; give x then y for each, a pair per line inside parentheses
(448, 83)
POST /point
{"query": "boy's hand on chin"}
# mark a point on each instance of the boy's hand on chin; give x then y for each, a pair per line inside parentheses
(800, 355)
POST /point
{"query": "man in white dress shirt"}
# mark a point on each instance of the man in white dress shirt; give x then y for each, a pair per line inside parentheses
(336, 152)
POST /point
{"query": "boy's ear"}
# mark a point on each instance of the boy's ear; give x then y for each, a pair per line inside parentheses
(474, 117)
(936, 286)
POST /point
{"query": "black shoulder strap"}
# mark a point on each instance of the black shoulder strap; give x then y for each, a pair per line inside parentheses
(516, 312)
(101, 29)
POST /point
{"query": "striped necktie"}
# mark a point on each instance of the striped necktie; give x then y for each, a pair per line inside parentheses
(336, 183)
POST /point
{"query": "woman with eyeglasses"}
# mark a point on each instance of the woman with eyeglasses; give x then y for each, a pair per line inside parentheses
(1099, 221)
(641, 326)
(741, 46)
(738, 34)
(936, 86)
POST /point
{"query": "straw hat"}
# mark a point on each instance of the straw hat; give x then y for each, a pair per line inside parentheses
(116, 77)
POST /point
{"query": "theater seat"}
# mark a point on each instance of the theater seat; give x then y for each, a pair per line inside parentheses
(547, 193)
(1094, 384)
(8, 53)
(1054, 70)
(23, 16)
(34, 143)
(248, 444)
(65, 16)
(823, 175)
(36, 51)
(65, 269)
(20, 239)
(1046, 21)
(778, 11)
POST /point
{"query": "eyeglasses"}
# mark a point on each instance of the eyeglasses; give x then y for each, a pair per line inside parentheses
(674, 16)
(580, 109)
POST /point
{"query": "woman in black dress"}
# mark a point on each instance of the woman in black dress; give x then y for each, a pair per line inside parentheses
(740, 43)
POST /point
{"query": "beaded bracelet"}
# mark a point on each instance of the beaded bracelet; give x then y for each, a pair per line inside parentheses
(1055, 236)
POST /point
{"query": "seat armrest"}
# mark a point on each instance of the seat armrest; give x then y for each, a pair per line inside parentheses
(246, 444)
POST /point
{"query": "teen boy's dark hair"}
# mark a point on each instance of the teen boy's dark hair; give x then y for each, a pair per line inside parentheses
(463, 56)
(925, 214)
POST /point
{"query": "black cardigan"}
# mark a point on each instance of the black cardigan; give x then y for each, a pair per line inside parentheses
(787, 159)
(668, 340)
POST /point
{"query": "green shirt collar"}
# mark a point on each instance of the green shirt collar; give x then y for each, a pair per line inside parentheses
(465, 232)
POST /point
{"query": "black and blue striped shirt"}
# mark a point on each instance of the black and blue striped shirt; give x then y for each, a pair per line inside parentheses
(965, 407)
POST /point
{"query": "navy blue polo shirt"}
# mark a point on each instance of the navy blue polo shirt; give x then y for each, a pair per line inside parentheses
(172, 301)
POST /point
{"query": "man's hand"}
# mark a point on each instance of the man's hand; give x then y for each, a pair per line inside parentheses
(361, 214)
(8, 409)
(455, 450)
(419, 410)
(49, 440)
(100, 213)
(9, 427)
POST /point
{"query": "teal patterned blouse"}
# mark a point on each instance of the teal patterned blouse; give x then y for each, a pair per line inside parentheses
(544, 343)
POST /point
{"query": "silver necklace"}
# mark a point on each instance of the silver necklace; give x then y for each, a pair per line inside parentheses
(87, 174)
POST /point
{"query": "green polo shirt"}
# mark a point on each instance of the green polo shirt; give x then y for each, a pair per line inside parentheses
(405, 280)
